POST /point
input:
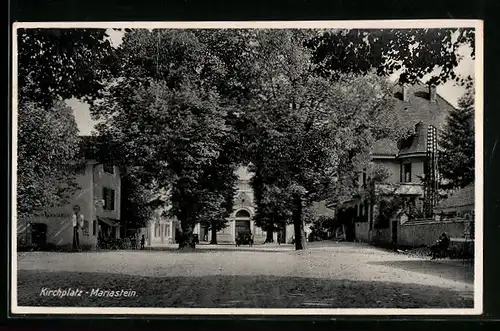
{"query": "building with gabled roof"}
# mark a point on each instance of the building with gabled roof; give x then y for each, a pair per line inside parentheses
(409, 161)
(98, 202)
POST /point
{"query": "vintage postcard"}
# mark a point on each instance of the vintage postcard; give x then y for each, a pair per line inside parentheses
(270, 168)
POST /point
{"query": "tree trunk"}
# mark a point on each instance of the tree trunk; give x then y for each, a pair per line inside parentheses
(269, 236)
(298, 224)
(186, 241)
(213, 240)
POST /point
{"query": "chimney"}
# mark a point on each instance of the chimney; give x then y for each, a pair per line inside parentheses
(405, 92)
(432, 93)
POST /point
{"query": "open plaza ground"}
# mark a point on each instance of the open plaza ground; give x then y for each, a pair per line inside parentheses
(326, 275)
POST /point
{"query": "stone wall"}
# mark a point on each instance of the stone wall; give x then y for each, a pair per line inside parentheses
(382, 236)
(414, 234)
(427, 232)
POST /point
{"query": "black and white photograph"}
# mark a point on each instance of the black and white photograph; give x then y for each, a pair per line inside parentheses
(329, 167)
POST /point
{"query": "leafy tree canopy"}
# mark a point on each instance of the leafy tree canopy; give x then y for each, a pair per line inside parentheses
(58, 64)
(165, 113)
(457, 161)
(48, 157)
(415, 53)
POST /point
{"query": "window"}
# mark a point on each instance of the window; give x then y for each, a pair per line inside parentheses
(406, 174)
(94, 227)
(426, 169)
(109, 169)
(242, 213)
(364, 178)
(109, 198)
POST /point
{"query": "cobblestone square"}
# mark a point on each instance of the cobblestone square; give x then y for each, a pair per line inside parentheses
(326, 275)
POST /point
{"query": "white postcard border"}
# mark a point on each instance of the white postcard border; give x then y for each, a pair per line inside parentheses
(365, 24)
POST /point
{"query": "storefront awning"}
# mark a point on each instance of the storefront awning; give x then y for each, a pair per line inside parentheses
(109, 221)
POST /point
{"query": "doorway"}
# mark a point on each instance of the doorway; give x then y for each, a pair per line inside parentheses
(242, 223)
(394, 233)
(38, 235)
(242, 227)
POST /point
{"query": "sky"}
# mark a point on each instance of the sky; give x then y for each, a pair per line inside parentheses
(449, 91)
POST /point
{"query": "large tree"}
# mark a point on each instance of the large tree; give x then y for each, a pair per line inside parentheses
(304, 127)
(140, 198)
(218, 197)
(54, 65)
(48, 157)
(456, 162)
(165, 112)
(274, 209)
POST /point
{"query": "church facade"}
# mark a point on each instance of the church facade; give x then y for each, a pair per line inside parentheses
(162, 231)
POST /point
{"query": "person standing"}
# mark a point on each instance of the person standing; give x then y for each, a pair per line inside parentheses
(77, 225)
(143, 240)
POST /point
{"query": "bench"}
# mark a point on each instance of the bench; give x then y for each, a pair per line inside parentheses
(461, 240)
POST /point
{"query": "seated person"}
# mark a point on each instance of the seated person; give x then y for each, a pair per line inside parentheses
(441, 246)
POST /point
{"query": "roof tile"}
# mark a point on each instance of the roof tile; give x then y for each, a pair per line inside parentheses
(417, 109)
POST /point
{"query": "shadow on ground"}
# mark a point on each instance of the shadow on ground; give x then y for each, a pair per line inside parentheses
(444, 269)
(232, 292)
(227, 248)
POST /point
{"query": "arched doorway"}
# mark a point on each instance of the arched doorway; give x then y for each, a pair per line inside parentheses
(242, 222)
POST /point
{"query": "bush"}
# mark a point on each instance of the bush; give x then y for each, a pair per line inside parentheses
(113, 243)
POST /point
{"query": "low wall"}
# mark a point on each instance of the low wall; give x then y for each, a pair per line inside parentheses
(382, 236)
(427, 232)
